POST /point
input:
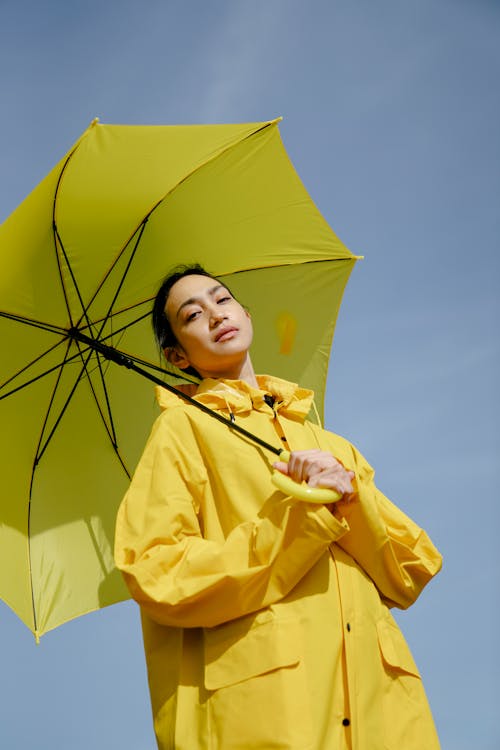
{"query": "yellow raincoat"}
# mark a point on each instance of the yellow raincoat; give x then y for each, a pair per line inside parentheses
(265, 619)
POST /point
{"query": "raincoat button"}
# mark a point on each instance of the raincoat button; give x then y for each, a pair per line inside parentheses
(284, 439)
(345, 722)
(348, 627)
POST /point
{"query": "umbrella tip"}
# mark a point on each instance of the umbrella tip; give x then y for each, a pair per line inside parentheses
(95, 121)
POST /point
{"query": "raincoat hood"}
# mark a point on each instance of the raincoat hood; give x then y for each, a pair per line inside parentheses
(238, 397)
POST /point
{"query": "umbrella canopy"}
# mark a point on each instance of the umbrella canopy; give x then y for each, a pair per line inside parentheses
(85, 254)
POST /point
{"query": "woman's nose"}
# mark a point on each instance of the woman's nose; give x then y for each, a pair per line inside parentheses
(216, 316)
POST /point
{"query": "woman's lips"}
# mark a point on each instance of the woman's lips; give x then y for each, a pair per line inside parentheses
(226, 333)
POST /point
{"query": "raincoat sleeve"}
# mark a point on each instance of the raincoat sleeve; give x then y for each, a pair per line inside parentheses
(392, 549)
(182, 579)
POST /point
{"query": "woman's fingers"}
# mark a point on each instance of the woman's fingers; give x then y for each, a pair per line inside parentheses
(281, 466)
(319, 469)
(333, 480)
(304, 464)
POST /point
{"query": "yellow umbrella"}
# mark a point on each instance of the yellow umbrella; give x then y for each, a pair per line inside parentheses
(83, 256)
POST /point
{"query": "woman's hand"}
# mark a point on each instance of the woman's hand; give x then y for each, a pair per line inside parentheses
(319, 469)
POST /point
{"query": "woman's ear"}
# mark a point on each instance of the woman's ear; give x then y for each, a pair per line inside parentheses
(175, 355)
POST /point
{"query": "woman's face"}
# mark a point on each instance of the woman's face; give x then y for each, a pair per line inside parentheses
(213, 331)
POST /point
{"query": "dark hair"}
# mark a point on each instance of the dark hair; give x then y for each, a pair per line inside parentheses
(161, 327)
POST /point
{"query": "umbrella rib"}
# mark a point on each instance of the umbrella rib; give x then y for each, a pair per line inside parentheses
(124, 276)
(97, 321)
(140, 228)
(30, 494)
(347, 259)
(57, 236)
(111, 432)
(127, 309)
(45, 327)
(30, 364)
(208, 160)
(49, 408)
(124, 327)
(38, 455)
(64, 407)
(33, 469)
(142, 224)
(32, 588)
(50, 327)
(65, 361)
(75, 283)
(37, 324)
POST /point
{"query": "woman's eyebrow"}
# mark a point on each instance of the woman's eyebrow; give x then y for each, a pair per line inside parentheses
(193, 300)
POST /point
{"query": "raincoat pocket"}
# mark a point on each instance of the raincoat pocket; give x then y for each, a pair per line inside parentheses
(248, 647)
(393, 647)
(407, 722)
(254, 668)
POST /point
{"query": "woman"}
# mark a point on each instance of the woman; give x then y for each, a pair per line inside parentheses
(266, 620)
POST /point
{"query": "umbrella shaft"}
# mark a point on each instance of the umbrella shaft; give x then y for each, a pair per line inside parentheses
(120, 358)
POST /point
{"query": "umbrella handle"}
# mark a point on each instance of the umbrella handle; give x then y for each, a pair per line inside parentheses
(302, 491)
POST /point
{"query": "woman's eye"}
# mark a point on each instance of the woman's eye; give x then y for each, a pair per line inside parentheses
(192, 316)
(223, 299)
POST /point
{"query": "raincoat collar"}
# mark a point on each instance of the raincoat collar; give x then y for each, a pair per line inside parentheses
(238, 397)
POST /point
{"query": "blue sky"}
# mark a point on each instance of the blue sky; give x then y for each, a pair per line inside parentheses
(392, 118)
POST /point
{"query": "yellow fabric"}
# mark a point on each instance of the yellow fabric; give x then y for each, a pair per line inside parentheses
(265, 620)
(88, 248)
